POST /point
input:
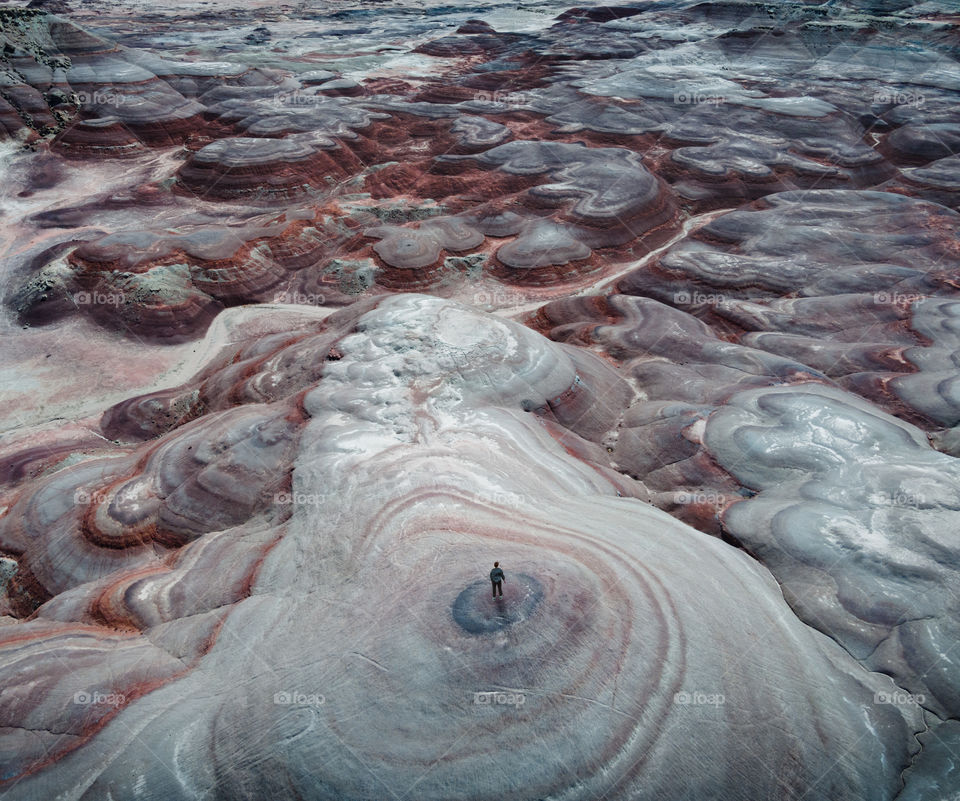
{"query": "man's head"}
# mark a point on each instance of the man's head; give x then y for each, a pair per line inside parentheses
(496, 564)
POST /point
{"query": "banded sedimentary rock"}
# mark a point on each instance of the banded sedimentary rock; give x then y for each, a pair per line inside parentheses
(167, 285)
(257, 170)
(724, 495)
(837, 498)
(615, 649)
(872, 302)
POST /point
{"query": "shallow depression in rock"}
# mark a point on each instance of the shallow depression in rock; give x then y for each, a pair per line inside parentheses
(477, 612)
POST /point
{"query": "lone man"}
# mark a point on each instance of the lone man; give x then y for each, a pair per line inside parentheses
(496, 578)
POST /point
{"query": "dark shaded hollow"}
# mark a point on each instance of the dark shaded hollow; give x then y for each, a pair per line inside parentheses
(476, 612)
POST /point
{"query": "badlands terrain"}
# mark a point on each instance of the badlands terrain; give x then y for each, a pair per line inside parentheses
(311, 312)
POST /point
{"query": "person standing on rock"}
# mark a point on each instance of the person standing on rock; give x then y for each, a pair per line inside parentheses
(496, 578)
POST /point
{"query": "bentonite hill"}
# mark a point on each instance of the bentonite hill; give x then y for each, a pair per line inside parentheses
(311, 312)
